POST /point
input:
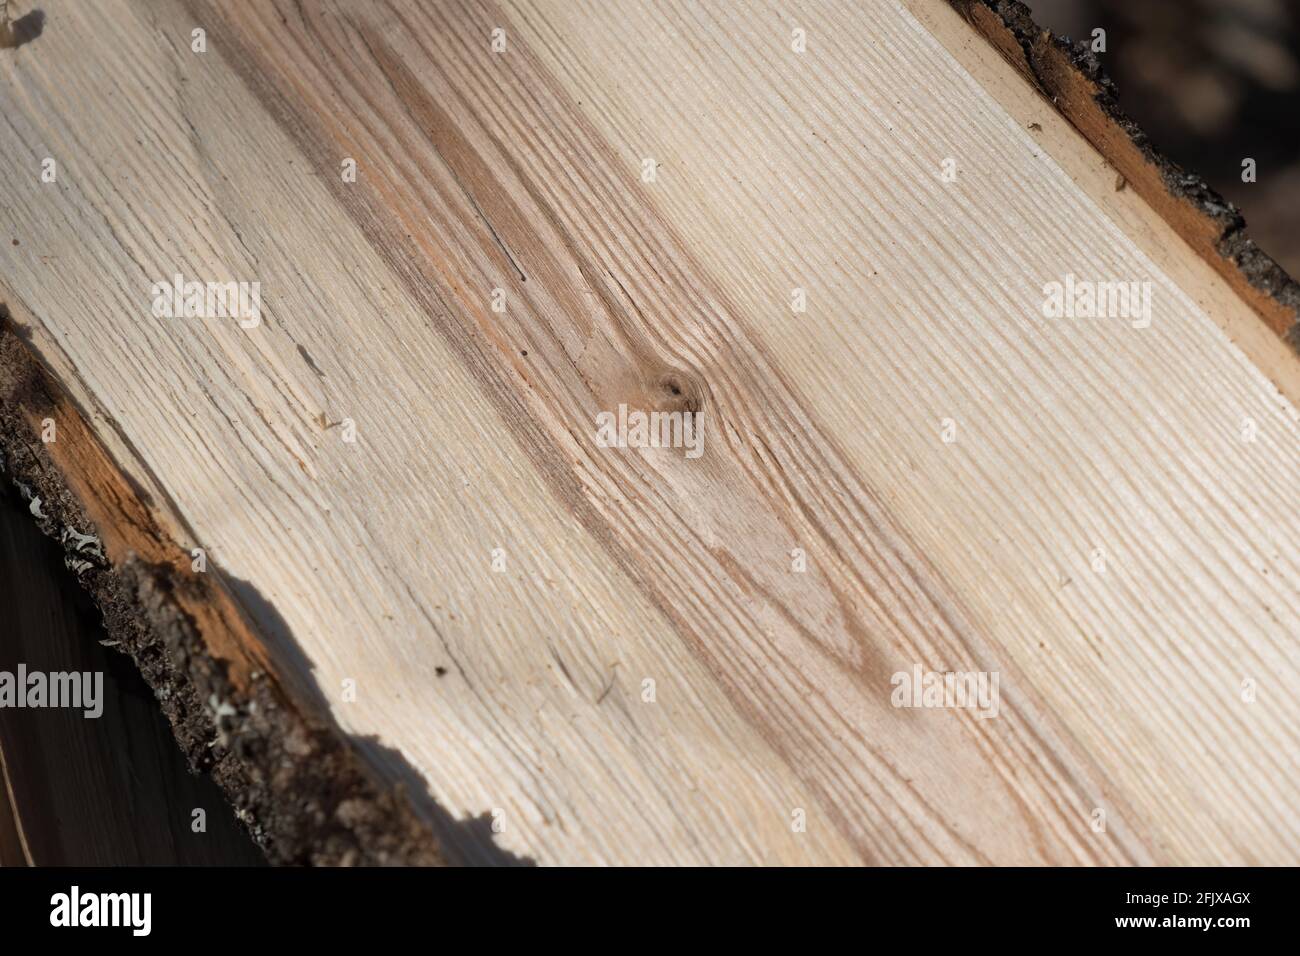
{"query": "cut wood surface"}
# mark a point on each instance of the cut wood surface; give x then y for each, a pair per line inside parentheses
(631, 655)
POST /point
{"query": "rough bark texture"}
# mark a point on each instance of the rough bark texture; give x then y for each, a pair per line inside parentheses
(1071, 77)
(302, 789)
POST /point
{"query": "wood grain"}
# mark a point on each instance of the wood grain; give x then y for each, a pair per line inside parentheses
(520, 693)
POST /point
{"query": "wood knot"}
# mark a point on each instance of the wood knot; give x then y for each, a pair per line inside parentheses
(675, 392)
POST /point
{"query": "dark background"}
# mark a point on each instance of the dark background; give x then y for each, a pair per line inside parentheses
(79, 792)
(1211, 82)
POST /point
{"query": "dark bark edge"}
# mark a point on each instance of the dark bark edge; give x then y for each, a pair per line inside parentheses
(1070, 76)
(292, 776)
